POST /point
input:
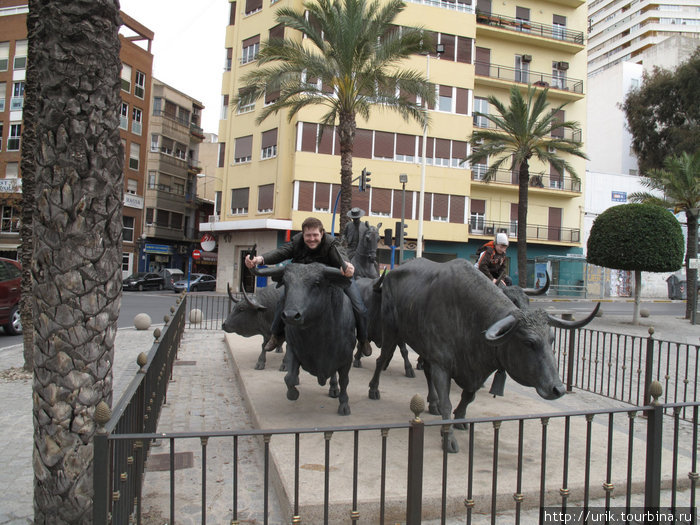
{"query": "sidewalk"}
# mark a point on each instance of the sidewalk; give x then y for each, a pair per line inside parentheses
(206, 393)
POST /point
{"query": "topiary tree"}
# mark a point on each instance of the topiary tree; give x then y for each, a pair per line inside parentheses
(636, 237)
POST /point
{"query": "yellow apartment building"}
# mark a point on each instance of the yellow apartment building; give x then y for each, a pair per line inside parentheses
(278, 173)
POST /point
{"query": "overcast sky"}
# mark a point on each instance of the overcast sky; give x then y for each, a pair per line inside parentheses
(188, 47)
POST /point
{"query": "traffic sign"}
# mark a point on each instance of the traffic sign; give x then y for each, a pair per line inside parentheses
(207, 242)
(196, 254)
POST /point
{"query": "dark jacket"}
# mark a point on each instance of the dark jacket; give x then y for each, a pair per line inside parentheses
(490, 263)
(329, 252)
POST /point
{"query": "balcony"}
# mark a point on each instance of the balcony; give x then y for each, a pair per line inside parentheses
(446, 4)
(194, 166)
(537, 180)
(553, 32)
(171, 116)
(524, 76)
(570, 134)
(197, 131)
(535, 232)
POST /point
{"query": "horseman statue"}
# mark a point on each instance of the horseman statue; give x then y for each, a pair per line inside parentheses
(353, 231)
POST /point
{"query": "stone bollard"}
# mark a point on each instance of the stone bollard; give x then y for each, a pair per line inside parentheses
(142, 321)
(195, 316)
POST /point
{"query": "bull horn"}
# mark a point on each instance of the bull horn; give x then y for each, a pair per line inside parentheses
(273, 271)
(560, 323)
(500, 330)
(252, 301)
(538, 291)
(379, 226)
(329, 271)
(230, 295)
(377, 285)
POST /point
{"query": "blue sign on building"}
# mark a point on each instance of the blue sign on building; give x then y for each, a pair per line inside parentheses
(161, 249)
(619, 196)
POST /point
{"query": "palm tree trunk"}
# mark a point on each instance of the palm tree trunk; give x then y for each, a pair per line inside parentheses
(28, 197)
(346, 136)
(637, 295)
(78, 228)
(691, 252)
(523, 183)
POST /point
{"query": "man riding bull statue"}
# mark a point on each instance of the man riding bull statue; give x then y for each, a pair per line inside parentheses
(313, 244)
(492, 260)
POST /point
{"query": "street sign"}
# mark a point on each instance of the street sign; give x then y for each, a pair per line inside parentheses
(694, 264)
(196, 254)
(207, 242)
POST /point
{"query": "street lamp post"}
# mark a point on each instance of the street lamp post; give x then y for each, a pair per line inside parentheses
(694, 283)
(439, 49)
(403, 179)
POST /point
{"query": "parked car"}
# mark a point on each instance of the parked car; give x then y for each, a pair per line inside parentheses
(143, 281)
(10, 291)
(171, 276)
(198, 283)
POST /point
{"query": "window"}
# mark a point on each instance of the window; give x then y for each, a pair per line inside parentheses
(442, 152)
(224, 108)
(4, 55)
(10, 219)
(558, 27)
(383, 145)
(1, 130)
(155, 142)
(124, 116)
(126, 78)
(176, 220)
(134, 154)
(381, 202)
(128, 229)
(131, 186)
(252, 6)
(136, 121)
(268, 148)
(558, 76)
(247, 102)
(239, 201)
(251, 46)
(441, 206)
(266, 195)
(152, 175)
(126, 262)
(149, 215)
(479, 171)
(13, 141)
(3, 94)
(229, 59)
(222, 155)
(444, 102)
(476, 215)
(166, 145)
(17, 100)
(157, 105)
(20, 61)
(481, 105)
(522, 70)
(180, 151)
(140, 84)
(405, 147)
(243, 150)
(459, 153)
(12, 170)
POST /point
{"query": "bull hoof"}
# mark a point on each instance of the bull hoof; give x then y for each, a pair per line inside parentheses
(260, 365)
(356, 363)
(373, 393)
(410, 372)
(452, 445)
(292, 394)
(283, 367)
(344, 409)
(333, 392)
(419, 365)
(433, 409)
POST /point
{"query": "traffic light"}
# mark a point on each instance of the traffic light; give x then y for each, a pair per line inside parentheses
(387, 237)
(399, 228)
(364, 180)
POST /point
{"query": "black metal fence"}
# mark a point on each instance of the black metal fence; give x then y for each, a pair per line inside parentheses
(214, 310)
(622, 366)
(559, 460)
(119, 465)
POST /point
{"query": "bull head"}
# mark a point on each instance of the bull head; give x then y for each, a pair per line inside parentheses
(538, 291)
(230, 295)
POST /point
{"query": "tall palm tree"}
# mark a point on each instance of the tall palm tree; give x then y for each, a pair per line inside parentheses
(348, 61)
(677, 186)
(77, 252)
(523, 130)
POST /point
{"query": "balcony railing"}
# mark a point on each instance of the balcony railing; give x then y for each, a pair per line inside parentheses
(524, 76)
(539, 232)
(171, 116)
(571, 134)
(446, 4)
(532, 28)
(537, 180)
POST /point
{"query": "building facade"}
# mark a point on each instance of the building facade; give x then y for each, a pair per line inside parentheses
(278, 173)
(171, 206)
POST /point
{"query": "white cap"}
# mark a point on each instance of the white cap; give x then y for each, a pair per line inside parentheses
(502, 238)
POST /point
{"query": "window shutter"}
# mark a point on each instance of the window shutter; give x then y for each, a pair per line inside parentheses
(232, 14)
(243, 147)
(483, 6)
(252, 5)
(440, 204)
(266, 197)
(250, 41)
(360, 199)
(308, 137)
(513, 211)
(383, 144)
(478, 206)
(523, 13)
(306, 192)
(322, 195)
(222, 154)
(325, 146)
(397, 204)
(239, 198)
(442, 148)
(464, 50)
(381, 200)
(427, 205)
(363, 144)
(405, 144)
(449, 42)
(269, 138)
(277, 32)
(559, 20)
(462, 104)
(457, 209)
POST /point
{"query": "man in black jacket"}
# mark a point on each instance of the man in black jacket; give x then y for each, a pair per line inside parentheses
(313, 244)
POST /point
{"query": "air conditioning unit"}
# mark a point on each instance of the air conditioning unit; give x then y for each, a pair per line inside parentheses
(213, 218)
(562, 66)
(527, 58)
(502, 230)
(488, 230)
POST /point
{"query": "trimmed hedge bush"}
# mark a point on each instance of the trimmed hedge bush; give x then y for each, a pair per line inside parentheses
(641, 237)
